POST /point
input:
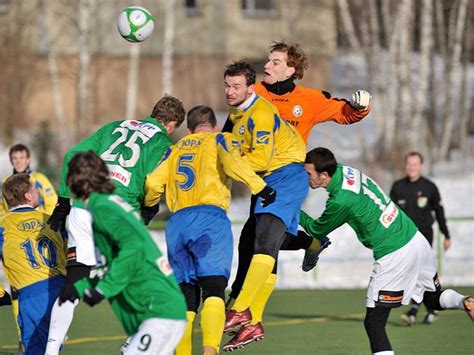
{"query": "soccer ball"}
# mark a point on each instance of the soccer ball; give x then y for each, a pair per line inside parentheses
(135, 23)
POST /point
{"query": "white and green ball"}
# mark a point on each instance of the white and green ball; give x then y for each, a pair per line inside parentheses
(135, 23)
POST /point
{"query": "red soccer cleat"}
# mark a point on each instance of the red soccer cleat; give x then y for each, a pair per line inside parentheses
(246, 335)
(235, 320)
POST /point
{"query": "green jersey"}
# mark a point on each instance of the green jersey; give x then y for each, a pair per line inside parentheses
(139, 280)
(357, 200)
(131, 149)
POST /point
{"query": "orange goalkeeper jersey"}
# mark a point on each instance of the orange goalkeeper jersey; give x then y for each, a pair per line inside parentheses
(304, 107)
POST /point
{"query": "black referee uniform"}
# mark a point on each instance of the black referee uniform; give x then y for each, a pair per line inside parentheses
(418, 199)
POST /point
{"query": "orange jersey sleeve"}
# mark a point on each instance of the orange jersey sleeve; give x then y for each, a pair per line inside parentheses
(304, 107)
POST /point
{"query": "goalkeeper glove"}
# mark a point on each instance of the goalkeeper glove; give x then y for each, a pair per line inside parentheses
(68, 293)
(148, 212)
(268, 196)
(92, 296)
(360, 99)
(5, 300)
(58, 218)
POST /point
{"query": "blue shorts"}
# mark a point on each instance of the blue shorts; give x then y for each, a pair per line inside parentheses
(35, 303)
(291, 184)
(200, 243)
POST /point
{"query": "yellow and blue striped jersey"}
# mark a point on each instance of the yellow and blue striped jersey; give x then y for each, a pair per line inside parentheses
(32, 252)
(47, 195)
(267, 141)
(197, 171)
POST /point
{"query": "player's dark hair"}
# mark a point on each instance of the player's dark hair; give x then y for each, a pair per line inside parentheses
(323, 160)
(19, 148)
(414, 154)
(14, 189)
(169, 109)
(297, 58)
(87, 174)
(199, 115)
(241, 68)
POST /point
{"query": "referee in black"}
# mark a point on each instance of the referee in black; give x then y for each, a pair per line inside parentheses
(419, 198)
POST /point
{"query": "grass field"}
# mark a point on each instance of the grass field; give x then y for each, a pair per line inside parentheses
(296, 322)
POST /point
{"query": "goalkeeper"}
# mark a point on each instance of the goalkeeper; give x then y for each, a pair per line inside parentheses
(131, 150)
(303, 108)
(404, 266)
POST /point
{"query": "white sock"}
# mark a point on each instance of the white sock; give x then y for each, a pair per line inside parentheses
(450, 299)
(386, 352)
(61, 319)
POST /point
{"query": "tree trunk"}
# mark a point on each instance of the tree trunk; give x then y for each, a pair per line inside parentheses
(168, 47)
(46, 47)
(404, 70)
(133, 77)
(453, 66)
(467, 99)
(393, 82)
(348, 24)
(83, 88)
(417, 130)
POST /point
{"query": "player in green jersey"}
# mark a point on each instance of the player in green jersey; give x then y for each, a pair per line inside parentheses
(139, 284)
(131, 149)
(404, 267)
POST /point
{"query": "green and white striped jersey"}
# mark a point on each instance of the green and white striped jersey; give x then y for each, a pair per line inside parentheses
(357, 200)
(131, 149)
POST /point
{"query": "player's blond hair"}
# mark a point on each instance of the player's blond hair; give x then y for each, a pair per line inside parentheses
(15, 188)
(297, 58)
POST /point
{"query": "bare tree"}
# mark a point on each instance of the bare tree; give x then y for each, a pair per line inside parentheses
(132, 86)
(85, 9)
(453, 64)
(467, 96)
(348, 24)
(168, 47)
(17, 62)
(417, 130)
(47, 47)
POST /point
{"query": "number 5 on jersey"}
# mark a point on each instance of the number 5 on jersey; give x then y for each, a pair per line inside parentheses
(185, 169)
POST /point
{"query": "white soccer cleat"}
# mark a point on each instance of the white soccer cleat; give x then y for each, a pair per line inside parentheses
(430, 318)
(408, 319)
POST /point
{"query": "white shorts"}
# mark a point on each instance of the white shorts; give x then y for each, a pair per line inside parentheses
(155, 336)
(80, 241)
(403, 275)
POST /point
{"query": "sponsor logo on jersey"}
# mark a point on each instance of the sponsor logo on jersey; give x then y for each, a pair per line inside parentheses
(117, 173)
(389, 299)
(293, 123)
(190, 143)
(30, 225)
(146, 128)
(388, 216)
(242, 130)
(350, 179)
(422, 201)
(263, 137)
(297, 111)
(164, 266)
(279, 99)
